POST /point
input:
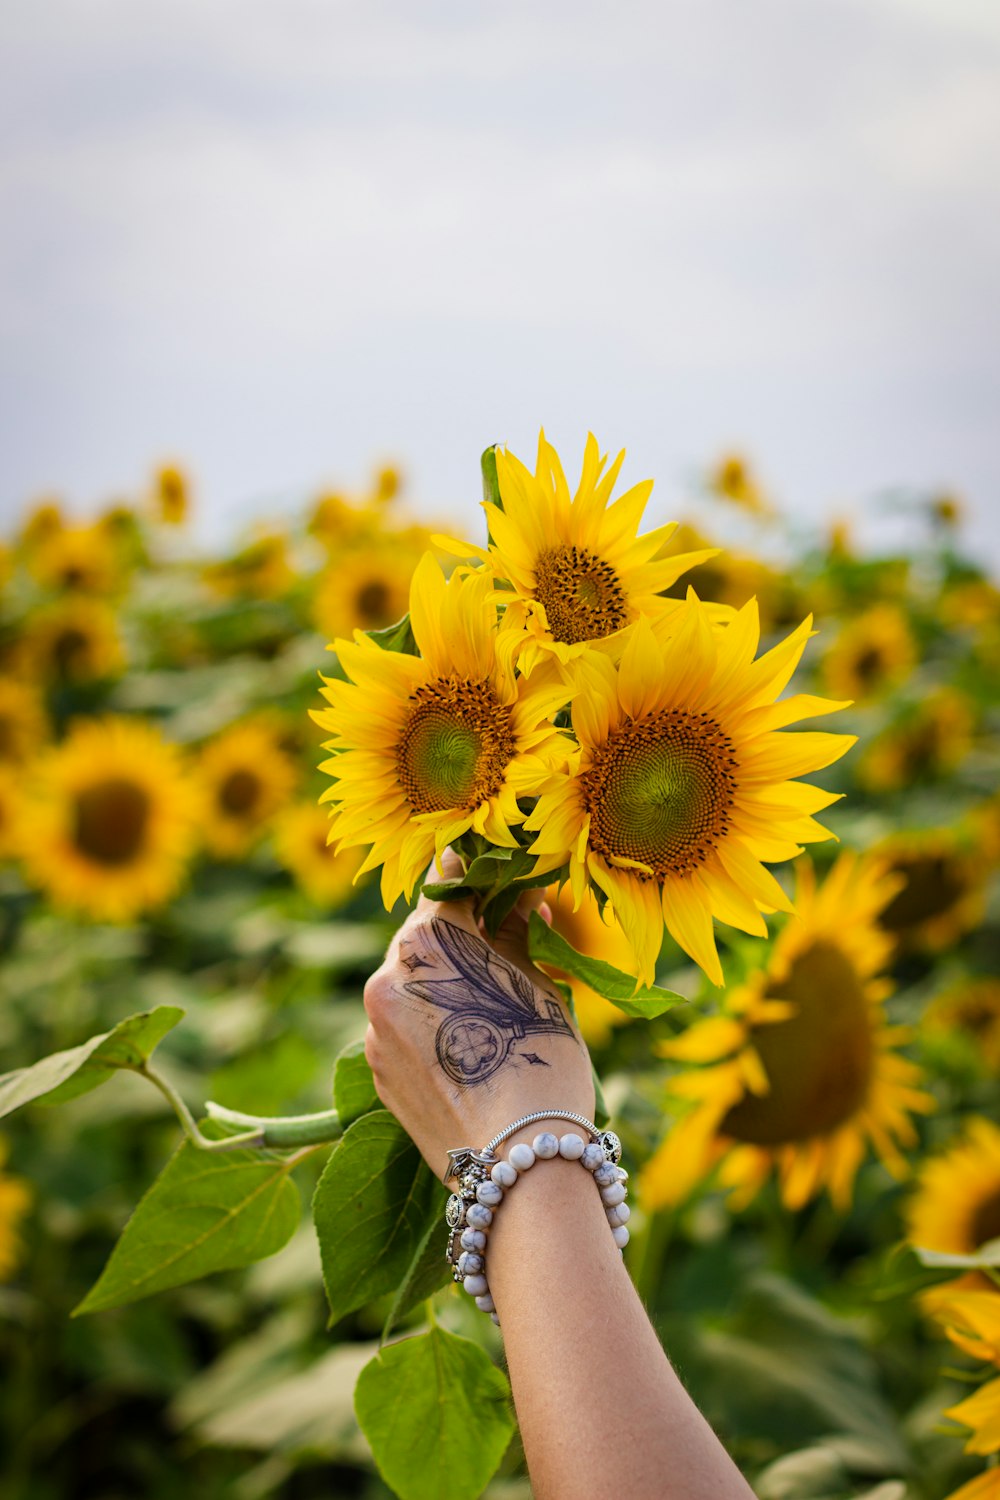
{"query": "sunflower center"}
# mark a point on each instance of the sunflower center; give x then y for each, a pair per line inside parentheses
(933, 885)
(69, 650)
(373, 601)
(985, 1225)
(455, 746)
(869, 665)
(238, 793)
(582, 594)
(110, 821)
(660, 791)
(818, 1062)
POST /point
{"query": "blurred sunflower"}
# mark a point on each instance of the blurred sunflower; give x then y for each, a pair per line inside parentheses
(79, 559)
(873, 652)
(10, 802)
(683, 786)
(336, 522)
(301, 844)
(245, 778)
(364, 589)
(732, 479)
(803, 1072)
(24, 723)
(944, 894)
(928, 742)
(109, 820)
(426, 748)
(970, 602)
(6, 565)
(171, 496)
(972, 1322)
(74, 639)
(260, 570)
(41, 523)
(955, 1208)
(15, 1202)
(578, 570)
(969, 1009)
(387, 483)
(589, 934)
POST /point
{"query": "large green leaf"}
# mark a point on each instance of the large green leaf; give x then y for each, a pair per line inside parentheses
(64, 1075)
(436, 1412)
(353, 1085)
(429, 1269)
(204, 1213)
(642, 1000)
(371, 1209)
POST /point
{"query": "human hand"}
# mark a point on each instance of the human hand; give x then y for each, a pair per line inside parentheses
(465, 1033)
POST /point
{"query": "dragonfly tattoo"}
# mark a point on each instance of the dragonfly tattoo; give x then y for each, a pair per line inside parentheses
(491, 1004)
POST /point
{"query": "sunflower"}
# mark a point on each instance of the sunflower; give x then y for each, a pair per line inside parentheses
(872, 653)
(387, 483)
(972, 1322)
(109, 820)
(10, 802)
(171, 495)
(732, 479)
(79, 559)
(41, 523)
(803, 1071)
(75, 639)
(23, 721)
(245, 778)
(970, 602)
(589, 934)
(956, 1206)
(944, 894)
(260, 570)
(683, 786)
(365, 589)
(426, 748)
(927, 743)
(577, 568)
(302, 845)
(969, 1009)
(6, 565)
(336, 522)
(15, 1202)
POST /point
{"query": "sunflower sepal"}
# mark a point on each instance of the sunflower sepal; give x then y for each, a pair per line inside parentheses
(985, 1258)
(398, 637)
(644, 1001)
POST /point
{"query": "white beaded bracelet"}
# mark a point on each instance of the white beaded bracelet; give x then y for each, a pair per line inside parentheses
(483, 1181)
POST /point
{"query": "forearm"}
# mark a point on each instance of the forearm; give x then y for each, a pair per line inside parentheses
(602, 1413)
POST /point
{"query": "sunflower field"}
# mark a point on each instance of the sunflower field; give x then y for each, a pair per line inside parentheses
(224, 778)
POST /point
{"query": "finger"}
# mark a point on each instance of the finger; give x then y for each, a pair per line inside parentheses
(447, 867)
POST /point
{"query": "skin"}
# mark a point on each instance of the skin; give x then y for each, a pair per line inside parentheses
(465, 1035)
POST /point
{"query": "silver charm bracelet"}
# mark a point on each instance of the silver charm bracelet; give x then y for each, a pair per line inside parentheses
(483, 1180)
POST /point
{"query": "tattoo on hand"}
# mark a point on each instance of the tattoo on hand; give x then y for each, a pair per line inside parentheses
(491, 1003)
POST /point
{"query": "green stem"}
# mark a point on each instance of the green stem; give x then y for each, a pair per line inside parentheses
(282, 1130)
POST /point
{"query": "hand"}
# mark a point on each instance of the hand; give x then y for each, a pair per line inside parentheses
(465, 1033)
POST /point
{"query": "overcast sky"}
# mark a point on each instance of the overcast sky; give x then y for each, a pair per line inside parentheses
(279, 241)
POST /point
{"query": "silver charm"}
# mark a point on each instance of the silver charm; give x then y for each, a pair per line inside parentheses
(611, 1146)
(454, 1212)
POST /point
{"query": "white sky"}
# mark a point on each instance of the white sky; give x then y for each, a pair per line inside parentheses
(281, 240)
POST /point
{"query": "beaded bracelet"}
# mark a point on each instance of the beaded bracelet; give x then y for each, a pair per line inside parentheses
(483, 1180)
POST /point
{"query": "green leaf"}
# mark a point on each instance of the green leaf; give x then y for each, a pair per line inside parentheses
(428, 1272)
(371, 1208)
(353, 1085)
(643, 1000)
(64, 1075)
(436, 1412)
(398, 637)
(491, 481)
(204, 1213)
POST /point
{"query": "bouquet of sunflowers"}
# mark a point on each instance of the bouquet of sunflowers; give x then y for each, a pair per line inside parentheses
(554, 713)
